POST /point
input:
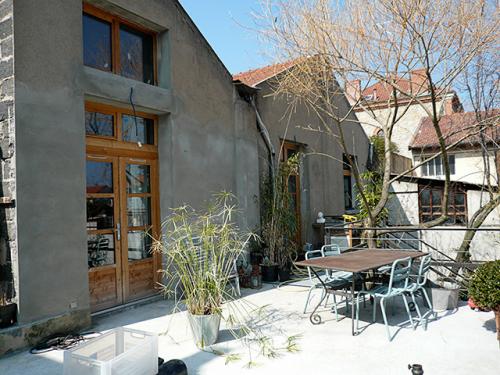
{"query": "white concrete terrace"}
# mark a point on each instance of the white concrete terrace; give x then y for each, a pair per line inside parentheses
(462, 341)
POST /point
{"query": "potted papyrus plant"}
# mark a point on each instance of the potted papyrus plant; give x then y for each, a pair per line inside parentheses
(200, 250)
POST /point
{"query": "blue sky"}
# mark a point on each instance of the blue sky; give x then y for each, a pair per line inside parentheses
(225, 24)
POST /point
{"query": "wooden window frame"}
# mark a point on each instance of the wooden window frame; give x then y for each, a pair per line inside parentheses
(115, 22)
(98, 143)
(424, 168)
(454, 210)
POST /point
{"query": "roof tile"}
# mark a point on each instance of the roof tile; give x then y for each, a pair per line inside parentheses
(454, 127)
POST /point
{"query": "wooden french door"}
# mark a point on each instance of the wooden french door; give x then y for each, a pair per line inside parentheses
(122, 205)
(122, 214)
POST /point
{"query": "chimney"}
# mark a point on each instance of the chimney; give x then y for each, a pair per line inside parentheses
(353, 91)
(418, 81)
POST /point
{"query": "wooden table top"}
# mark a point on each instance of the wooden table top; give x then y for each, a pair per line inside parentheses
(360, 260)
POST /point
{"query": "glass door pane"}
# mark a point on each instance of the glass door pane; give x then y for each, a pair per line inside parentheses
(138, 220)
(138, 203)
(103, 243)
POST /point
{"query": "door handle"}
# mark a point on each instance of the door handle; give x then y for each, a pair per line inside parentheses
(118, 231)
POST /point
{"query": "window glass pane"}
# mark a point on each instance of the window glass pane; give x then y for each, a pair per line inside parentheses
(436, 198)
(137, 129)
(424, 169)
(137, 178)
(99, 124)
(99, 177)
(101, 249)
(425, 197)
(138, 211)
(96, 43)
(431, 168)
(439, 168)
(426, 218)
(292, 184)
(100, 213)
(347, 192)
(290, 153)
(451, 162)
(136, 55)
(139, 245)
(459, 199)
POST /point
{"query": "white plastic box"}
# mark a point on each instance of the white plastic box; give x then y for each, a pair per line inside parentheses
(121, 351)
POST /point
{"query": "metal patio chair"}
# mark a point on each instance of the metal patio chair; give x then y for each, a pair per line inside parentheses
(332, 279)
(418, 285)
(398, 285)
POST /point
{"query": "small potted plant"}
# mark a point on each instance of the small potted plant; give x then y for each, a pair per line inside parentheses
(484, 289)
(269, 270)
(200, 251)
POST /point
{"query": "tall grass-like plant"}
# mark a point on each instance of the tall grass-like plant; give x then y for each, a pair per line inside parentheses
(199, 250)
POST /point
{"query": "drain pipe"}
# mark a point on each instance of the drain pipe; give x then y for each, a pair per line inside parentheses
(265, 136)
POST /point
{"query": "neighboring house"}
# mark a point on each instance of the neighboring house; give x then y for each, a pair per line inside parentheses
(467, 158)
(417, 197)
(113, 112)
(378, 98)
(417, 200)
(322, 179)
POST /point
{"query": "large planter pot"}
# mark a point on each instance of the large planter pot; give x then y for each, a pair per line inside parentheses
(8, 315)
(205, 329)
(444, 298)
(269, 273)
(284, 274)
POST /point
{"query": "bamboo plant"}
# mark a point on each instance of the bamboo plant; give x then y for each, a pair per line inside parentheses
(279, 222)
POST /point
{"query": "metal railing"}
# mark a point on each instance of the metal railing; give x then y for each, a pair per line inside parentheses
(444, 267)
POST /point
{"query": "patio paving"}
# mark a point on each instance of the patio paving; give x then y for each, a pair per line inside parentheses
(459, 342)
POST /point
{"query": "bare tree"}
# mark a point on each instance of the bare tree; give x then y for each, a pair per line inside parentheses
(480, 81)
(335, 42)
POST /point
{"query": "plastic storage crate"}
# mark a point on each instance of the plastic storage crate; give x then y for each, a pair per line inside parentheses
(121, 351)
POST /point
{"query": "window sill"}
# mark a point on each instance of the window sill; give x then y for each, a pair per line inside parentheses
(98, 85)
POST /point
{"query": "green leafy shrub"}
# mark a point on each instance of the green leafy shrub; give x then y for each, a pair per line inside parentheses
(484, 286)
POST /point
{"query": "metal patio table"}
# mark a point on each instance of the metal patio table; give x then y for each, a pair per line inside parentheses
(356, 262)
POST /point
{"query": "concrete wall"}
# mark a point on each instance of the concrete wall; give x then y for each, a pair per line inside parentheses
(321, 177)
(403, 210)
(50, 147)
(201, 150)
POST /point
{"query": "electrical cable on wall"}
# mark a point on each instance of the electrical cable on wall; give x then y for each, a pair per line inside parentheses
(135, 115)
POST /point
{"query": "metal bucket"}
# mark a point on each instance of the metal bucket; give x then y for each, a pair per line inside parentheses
(205, 329)
(444, 298)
